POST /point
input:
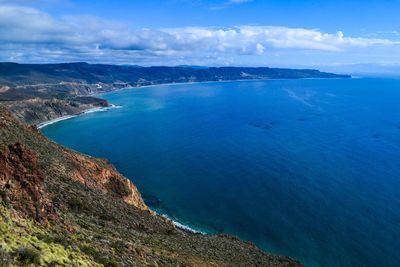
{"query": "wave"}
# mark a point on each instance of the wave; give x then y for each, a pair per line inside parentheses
(183, 226)
(92, 110)
(47, 123)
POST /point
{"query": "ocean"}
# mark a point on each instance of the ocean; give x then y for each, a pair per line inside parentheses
(304, 168)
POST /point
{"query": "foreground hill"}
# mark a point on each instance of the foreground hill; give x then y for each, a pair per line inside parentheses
(41, 92)
(62, 208)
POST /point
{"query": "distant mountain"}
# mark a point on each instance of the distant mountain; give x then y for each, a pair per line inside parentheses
(19, 74)
(40, 92)
(366, 69)
(193, 66)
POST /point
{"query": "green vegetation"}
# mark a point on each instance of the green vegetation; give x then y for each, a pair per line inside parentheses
(20, 245)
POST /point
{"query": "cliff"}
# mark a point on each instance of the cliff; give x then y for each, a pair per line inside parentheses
(37, 110)
(61, 208)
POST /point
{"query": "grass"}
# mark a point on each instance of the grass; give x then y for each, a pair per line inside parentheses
(20, 245)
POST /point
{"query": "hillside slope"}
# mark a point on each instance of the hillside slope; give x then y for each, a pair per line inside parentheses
(61, 208)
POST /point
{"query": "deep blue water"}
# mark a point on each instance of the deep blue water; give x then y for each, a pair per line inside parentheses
(306, 168)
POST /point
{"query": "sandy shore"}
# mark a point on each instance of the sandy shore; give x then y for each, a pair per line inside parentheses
(91, 110)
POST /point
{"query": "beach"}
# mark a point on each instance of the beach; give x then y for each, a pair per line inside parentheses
(67, 117)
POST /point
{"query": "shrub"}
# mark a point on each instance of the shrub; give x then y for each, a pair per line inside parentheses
(112, 263)
(99, 257)
(76, 203)
(27, 255)
(5, 258)
(90, 251)
(3, 197)
(2, 194)
(119, 246)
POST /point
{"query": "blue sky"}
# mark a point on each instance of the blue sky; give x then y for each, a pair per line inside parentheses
(202, 32)
(354, 17)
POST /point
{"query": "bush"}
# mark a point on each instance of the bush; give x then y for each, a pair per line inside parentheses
(54, 264)
(90, 251)
(119, 246)
(112, 263)
(2, 194)
(5, 258)
(76, 203)
(62, 240)
(99, 257)
(3, 197)
(28, 255)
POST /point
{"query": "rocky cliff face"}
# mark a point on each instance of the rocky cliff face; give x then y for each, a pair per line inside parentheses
(61, 208)
(19, 163)
(37, 110)
(23, 182)
(99, 175)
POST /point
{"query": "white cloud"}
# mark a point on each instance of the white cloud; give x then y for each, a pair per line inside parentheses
(260, 49)
(28, 34)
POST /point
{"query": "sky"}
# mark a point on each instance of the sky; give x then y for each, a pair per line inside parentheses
(286, 33)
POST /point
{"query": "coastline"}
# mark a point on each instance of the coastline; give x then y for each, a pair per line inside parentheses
(49, 122)
(221, 81)
(97, 109)
(181, 226)
(67, 117)
(176, 223)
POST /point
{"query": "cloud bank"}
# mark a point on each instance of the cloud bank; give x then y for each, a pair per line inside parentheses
(31, 35)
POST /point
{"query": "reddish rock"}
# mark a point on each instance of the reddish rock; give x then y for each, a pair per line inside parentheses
(100, 175)
(22, 182)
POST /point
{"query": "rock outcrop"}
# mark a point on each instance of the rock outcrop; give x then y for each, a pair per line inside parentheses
(37, 110)
(100, 175)
(23, 182)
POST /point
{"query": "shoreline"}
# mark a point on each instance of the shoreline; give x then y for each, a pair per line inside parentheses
(181, 226)
(176, 223)
(97, 109)
(49, 122)
(222, 81)
(67, 117)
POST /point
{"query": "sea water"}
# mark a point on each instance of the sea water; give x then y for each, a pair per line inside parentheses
(304, 168)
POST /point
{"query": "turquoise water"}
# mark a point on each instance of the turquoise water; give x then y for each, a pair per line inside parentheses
(306, 168)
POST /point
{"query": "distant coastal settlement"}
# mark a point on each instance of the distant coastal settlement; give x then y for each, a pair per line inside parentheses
(45, 93)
